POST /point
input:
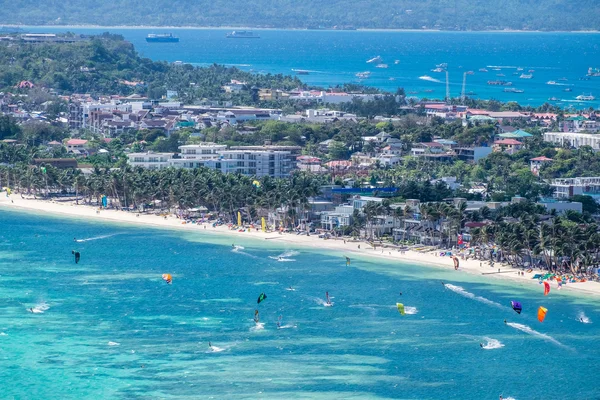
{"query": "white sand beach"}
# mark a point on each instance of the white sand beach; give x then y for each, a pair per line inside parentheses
(349, 248)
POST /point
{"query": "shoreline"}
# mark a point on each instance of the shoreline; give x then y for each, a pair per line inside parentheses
(427, 259)
(195, 27)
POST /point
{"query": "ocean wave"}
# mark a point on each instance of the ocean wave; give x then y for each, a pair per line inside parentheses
(113, 344)
(527, 329)
(492, 344)
(463, 292)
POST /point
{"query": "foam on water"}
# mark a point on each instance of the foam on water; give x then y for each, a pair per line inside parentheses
(237, 248)
(583, 318)
(95, 238)
(410, 310)
(113, 344)
(527, 329)
(492, 344)
(39, 308)
(460, 290)
(258, 326)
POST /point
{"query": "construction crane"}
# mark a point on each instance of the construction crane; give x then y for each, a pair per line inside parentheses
(447, 86)
(464, 86)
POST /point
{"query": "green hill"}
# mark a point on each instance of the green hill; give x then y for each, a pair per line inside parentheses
(407, 14)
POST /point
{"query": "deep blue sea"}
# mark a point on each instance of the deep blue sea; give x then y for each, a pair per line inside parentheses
(334, 57)
(110, 327)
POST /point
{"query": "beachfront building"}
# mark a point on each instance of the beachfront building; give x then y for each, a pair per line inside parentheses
(573, 139)
(273, 161)
(565, 188)
(150, 160)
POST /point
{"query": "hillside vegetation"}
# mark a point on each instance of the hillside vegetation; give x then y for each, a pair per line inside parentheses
(407, 14)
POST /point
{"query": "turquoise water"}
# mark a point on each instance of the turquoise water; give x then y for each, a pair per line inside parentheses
(334, 57)
(111, 328)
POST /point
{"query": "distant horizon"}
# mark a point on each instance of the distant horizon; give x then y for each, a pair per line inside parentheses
(203, 27)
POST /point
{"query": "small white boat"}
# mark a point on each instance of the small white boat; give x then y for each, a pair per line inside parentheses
(396, 62)
(437, 70)
(377, 59)
(526, 76)
(551, 83)
(585, 97)
(381, 66)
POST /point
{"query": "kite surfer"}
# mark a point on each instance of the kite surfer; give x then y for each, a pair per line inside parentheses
(279, 321)
(210, 346)
(481, 345)
(256, 318)
(505, 321)
(328, 300)
(31, 310)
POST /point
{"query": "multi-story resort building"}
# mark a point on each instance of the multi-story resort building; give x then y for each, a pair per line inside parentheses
(273, 161)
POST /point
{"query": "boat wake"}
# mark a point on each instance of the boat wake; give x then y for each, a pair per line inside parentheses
(429, 79)
(288, 326)
(39, 309)
(492, 344)
(237, 248)
(283, 257)
(526, 329)
(583, 318)
(95, 238)
(463, 292)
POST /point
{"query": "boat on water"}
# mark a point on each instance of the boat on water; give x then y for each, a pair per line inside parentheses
(593, 71)
(483, 70)
(585, 97)
(519, 69)
(526, 76)
(551, 83)
(392, 79)
(442, 65)
(300, 71)
(499, 83)
(567, 90)
(553, 99)
(161, 38)
(377, 59)
(514, 90)
(437, 70)
(242, 35)
(531, 71)
(396, 62)
(363, 75)
(381, 66)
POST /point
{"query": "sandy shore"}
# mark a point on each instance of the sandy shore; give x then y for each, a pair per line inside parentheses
(348, 248)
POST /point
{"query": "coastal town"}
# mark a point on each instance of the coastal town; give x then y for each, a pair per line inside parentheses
(333, 210)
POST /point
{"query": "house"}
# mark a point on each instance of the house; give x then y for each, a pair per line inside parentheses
(536, 163)
(509, 146)
(310, 163)
(234, 86)
(78, 146)
(472, 154)
(517, 135)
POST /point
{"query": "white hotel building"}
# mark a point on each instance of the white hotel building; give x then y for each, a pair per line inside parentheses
(252, 162)
(573, 139)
